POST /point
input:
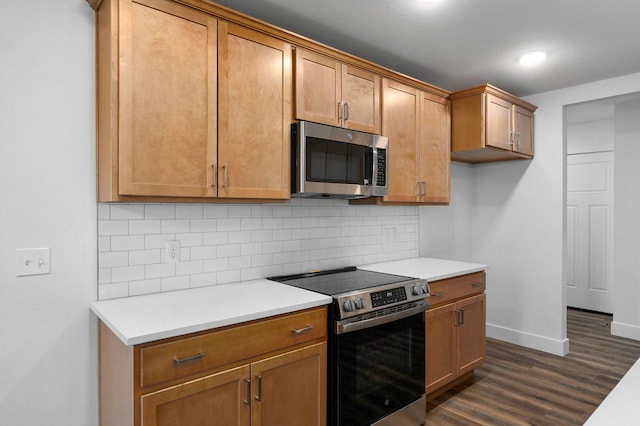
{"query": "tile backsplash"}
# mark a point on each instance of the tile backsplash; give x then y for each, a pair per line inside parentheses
(225, 243)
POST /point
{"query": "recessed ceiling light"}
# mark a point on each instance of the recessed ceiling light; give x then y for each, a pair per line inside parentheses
(533, 58)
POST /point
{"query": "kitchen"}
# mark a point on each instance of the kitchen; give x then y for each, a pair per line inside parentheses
(45, 319)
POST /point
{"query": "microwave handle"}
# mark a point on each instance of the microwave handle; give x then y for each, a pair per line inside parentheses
(374, 175)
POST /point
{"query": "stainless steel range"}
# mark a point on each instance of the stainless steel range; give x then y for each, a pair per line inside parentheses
(377, 347)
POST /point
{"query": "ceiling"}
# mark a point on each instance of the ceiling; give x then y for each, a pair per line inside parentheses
(456, 44)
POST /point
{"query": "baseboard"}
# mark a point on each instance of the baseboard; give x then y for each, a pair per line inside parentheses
(528, 340)
(625, 330)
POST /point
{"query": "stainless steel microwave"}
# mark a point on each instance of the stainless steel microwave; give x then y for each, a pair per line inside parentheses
(332, 162)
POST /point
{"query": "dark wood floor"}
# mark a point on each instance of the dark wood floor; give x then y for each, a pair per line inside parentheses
(520, 386)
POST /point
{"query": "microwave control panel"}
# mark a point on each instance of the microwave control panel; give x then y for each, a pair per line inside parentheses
(381, 178)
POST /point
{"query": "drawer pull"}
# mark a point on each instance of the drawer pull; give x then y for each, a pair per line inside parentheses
(438, 294)
(259, 395)
(199, 355)
(247, 400)
(297, 331)
(474, 285)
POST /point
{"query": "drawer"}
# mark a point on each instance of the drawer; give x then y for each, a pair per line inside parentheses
(191, 355)
(455, 288)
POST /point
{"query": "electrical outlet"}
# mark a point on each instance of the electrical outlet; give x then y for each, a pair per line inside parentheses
(173, 252)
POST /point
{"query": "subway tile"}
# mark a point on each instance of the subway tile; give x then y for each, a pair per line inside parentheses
(173, 226)
(228, 250)
(160, 270)
(175, 283)
(282, 258)
(261, 211)
(203, 280)
(216, 265)
(144, 257)
(247, 249)
(229, 225)
(137, 288)
(240, 211)
(282, 234)
(203, 225)
(190, 267)
(157, 240)
(292, 223)
(239, 262)
(127, 211)
(113, 291)
(261, 260)
(281, 211)
(262, 235)
(203, 252)
(159, 211)
(225, 277)
(190, 239)
(104, 211)
(127, 273)
(104, 275)
(113, 227)
(215, 238)
(113, 259)
(272, 223)
(272, 270)
(292, 245)
(137, 227)
(250, 223)
(272, 247)
(237, 237)
(189, 211)
(216, 212)
(104, 244)
(128, 242)
(250, 273)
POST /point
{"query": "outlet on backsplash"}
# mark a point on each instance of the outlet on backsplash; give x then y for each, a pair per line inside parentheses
(173, 252)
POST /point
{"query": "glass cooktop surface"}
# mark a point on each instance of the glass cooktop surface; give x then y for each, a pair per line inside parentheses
(340, 280)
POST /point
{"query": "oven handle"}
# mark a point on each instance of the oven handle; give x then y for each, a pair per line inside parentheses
(347, 327)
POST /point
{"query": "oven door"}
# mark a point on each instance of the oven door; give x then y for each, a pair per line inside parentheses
(380, 369)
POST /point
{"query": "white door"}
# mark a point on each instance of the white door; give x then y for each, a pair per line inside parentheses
(589, 231)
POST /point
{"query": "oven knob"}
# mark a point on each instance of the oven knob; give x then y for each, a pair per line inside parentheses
(358, 303)
(416, 290)
(347, 306)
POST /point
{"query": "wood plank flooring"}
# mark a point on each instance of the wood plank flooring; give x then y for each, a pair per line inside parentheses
(520, 386)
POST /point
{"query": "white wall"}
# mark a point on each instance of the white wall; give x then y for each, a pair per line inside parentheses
(626, 264)
(47, 156)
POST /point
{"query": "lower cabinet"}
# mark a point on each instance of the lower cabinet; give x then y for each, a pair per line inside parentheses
(455, 330)
(266, 372)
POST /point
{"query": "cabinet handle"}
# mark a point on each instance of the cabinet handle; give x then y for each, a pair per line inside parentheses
(475, 285)
(215, 176)
(259, 395)
(461, 316)
(178, 361)
(515, 138)
(347, 111)
(438, 294)
(226, 176)
(248, 398)
(424, 188)
(297, 331)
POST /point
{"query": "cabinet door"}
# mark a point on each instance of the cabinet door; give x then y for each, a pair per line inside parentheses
(471, 333)
(498, 122)
(254, 101)
(440, 347)
(290, 389)
(318, 88)
(523, 130)
(361, 96)
(221, 399)
(167, 105)
(400, 121)
(435, 148)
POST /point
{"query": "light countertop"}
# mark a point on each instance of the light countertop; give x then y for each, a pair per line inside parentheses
(426, 268)
(142, 319)
(621, 406)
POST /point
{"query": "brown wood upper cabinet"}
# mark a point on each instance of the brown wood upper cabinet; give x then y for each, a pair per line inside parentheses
(417, 124)
(490, 124)
(184, 102)
(337, 94)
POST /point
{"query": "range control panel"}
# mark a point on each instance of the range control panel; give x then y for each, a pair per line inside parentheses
(365, 301)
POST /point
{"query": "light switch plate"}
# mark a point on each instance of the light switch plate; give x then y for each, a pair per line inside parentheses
(33, 261)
